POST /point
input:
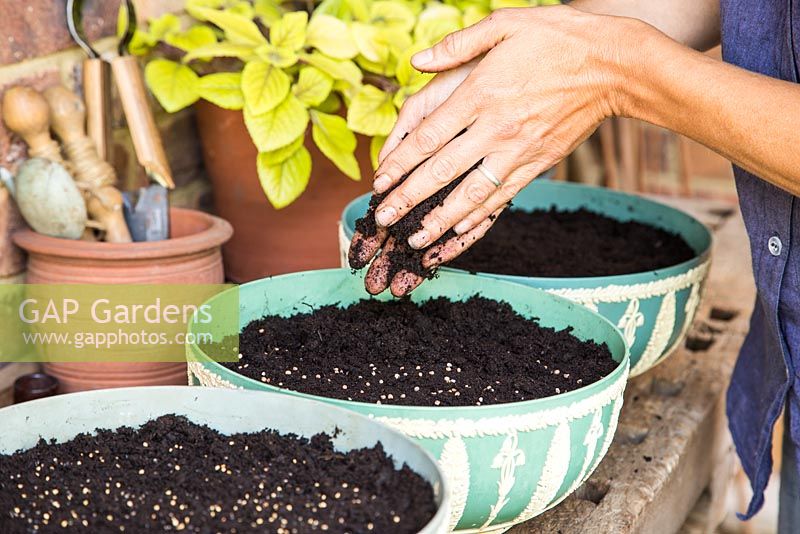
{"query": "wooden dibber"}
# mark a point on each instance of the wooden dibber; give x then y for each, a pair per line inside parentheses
(145, 135)
(27, 114)
(97, 98)
(94, 175)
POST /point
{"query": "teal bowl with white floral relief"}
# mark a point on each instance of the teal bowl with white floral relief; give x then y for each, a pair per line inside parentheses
(504, 463)
(654, 309)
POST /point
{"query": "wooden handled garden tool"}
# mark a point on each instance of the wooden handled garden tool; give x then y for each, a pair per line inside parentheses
(142, 125)
(94, 175)
(148, 213)
(96, 86)
(27, 114)
(49, 203)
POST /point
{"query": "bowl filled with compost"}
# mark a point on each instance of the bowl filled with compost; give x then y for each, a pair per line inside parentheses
(210, 460)
(516, 392)
(639, 263)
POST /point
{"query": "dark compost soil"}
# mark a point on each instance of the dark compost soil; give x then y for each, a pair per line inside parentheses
(403, 257)
(173, 475)
(549, 243)
(577, 243)
(439, 353)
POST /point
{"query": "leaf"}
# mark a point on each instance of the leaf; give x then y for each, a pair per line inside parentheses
(163, 26)
(338, 69)
(279, 155)
(140, 44)
(173, 84)
(346, 90)
(243, 8)
(192, 5)
(194, 37)
(384, 69)
(332, 104)
(223, 89)
(335, 8)
(290, 31)
(278, 127)
(435, 22)
(286, 181)
(268, 11)
(264, 86)
(406, 74)
(336, 141)
(375, 146)
(392, 14)
(280, 57)
(313, 86)
(331, 36)
(243, 52)
(474, 14)
(500, 4)
(359, 10)
(371, 112)
(366, 38)
(238, 29)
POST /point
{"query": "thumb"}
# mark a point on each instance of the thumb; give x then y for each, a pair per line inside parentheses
(462, 46)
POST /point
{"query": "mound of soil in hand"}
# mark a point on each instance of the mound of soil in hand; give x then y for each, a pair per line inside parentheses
(439, 353)
(402, 257)
(577, 243)
(172, 474)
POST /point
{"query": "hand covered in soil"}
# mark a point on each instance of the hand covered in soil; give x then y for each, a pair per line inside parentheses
(370, 238)
(533, 83)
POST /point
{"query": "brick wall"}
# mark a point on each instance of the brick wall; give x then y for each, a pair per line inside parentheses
(36, 50)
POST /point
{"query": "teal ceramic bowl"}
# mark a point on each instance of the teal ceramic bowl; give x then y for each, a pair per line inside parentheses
(65, 416)
(654, 309)
(504, 463)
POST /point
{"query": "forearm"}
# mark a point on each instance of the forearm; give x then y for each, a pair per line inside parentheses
(694, 23)
(746, 117)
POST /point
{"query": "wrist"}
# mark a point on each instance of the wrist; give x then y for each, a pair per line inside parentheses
(627, 61)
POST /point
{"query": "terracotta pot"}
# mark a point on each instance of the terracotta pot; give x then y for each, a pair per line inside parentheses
(267, 241)
(191, 256)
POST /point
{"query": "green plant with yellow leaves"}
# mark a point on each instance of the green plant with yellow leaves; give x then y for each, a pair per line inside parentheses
(288, 64)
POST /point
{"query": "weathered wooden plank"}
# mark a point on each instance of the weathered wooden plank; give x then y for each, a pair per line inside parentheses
(672, 443)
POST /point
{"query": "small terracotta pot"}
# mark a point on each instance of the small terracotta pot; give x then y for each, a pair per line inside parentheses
(267, 241)
(192, 255)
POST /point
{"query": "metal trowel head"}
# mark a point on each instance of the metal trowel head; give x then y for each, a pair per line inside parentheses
(147, 213)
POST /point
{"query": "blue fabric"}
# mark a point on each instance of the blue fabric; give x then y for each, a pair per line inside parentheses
(764, 37)
(789, 511)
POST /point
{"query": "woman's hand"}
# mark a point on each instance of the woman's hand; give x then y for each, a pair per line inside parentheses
(549, 76)
(415, 109)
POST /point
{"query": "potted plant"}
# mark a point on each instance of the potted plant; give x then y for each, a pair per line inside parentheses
(287, 94)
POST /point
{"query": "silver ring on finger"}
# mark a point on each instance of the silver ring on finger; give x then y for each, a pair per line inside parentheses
(489, 175)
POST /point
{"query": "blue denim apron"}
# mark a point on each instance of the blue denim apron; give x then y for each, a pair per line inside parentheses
(764, 37)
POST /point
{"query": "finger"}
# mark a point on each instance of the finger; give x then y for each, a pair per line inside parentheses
(472, 192)
(421, 104)
(455, 114)
(452, 248)
(461, 46)
(502, 196)
(362, 249)
(449, 163)
(377, 279)
(404, 283)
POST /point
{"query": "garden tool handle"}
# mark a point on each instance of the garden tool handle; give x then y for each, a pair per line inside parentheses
(94, 175)
(146, 139)
(97, 98)
(26, 113)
